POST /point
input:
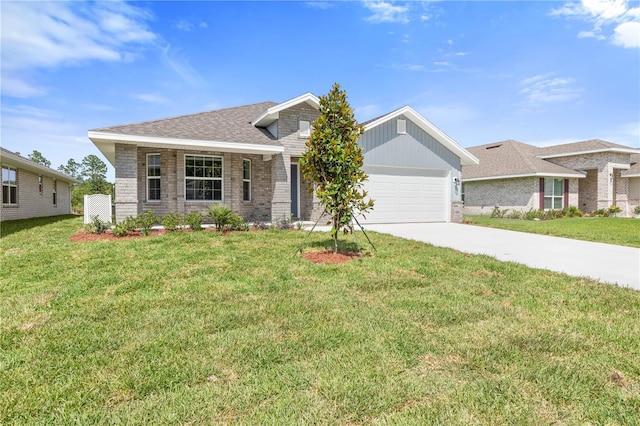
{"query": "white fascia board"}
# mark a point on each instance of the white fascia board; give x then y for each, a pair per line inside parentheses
(553, 175)
(271, 114)
(592, 151)
(24, 163)
(106, 143)
(466, 158)
(630, 175)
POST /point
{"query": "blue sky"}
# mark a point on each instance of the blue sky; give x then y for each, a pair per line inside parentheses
(537, 72)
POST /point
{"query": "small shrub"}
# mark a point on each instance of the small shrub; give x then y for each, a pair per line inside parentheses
(515, 215)
(467, 220)
(194, 220)
(614, 210)
(172, 221)
(599, 212)
(533, 214)
(637, 210)
(261, 225)
(125, 227)
(497, 212)
(224, 218)
(97, 226)
(145, 221)
(572, 211)
(284, 223)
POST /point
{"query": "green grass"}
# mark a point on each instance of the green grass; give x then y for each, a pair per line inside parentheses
(610, 230)
(199, 328)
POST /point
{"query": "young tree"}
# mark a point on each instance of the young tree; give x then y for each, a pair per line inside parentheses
(333, 161)
(37, 157)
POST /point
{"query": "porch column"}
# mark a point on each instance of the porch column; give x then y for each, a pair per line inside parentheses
(281, 186)
(126, 181)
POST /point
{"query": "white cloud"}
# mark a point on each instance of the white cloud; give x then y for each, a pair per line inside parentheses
(546, 89)
(384, 12)
(604, 15)
(319, 4)
(367, 112)
(53, 34)
(627, 34)
(409, 67)
(184, 25)
(150, 97)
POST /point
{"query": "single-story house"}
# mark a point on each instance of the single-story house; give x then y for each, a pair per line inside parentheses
(590, 175)
(247, 157)
(30, 189)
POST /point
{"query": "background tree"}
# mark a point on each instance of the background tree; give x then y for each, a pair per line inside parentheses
(93, 168)
(333, 161)
(37, 157)
(72, 168)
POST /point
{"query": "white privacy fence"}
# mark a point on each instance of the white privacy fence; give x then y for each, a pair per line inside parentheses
(98, 205)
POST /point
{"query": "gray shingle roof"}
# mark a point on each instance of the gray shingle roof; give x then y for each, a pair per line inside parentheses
(590, 145)
(634, 170)
(225, 125)
(509, 158)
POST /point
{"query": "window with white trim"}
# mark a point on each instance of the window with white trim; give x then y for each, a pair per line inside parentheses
(55, 192)
(153, 177)
(40, 186)
(203, 178)
(246, 180)
(305, 129)
(9, 185)
(402, 127)
(553, 193)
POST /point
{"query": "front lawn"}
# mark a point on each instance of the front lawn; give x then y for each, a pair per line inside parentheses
(610, 230)
(200, 328)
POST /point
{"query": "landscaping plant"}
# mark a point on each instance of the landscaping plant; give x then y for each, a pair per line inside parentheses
(145, 221)
(333, 162)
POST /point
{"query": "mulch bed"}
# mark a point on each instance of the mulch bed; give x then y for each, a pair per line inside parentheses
(82, 236)
(327, 256)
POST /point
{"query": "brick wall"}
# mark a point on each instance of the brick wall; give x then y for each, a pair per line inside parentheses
(126, 166)
(32, 203)
(482, 196)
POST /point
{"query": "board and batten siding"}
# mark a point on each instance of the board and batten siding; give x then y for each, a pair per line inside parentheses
(384, 146)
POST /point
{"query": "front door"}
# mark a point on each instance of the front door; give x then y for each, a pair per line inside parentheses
(295, 191)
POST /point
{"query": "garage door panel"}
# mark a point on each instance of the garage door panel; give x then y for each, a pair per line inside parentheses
(406, 195)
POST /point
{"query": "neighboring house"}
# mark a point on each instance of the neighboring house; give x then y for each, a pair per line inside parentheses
(30, 189)
(247, 157)
(590, 175)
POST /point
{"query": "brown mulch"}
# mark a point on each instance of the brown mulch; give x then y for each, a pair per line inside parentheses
(327, 256)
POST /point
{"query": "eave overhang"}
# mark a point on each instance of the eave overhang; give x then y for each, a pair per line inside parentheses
(591, 151)
(524, 175)
(106, 144)
(24, 163)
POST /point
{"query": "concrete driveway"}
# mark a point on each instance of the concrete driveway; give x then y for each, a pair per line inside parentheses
(605, 262)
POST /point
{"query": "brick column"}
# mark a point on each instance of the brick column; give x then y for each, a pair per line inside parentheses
(281, 187)
(126, 181)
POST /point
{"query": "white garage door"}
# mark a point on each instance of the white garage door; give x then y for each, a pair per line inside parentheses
(404, 195)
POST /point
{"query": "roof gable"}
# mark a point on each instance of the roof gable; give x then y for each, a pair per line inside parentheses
(583, 147)
(272, 113)
(466, 158)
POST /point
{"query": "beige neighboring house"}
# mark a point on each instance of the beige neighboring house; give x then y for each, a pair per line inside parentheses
(590, 175)
(31, 190)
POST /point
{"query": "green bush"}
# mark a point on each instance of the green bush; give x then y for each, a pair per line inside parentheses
(497, 212)
(533, 214)
(572, 211)
(125, 227)
(97, 226)
(145, 221)
(515, 215)
(224, 218)
(172, 221)
(637, 210)
(194, 220)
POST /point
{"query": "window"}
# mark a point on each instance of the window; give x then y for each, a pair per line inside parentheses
(40, 189)
(462, 192)
(55, 192)
(9, 185)
(402, 127)
(153, 177)
(246, 180)
(203, 178)
(553, 193)
(305, 129)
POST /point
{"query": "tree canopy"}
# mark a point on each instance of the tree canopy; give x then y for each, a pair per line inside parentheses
(37, 157)
(333, 162)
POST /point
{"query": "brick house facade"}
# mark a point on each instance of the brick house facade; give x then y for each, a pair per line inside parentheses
(32, 190)
(247, 158)
(595, 175)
